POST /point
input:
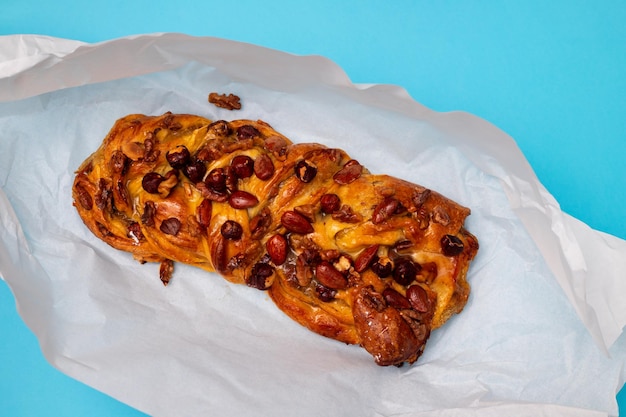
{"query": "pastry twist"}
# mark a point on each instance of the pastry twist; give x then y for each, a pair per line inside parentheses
(361, 258)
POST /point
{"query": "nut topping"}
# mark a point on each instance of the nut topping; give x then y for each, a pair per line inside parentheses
(347, 215)
(219, 128)
(104, 195)
(242, 200)
(169, 181)
(304, 269)
(420, 197)
(170, 226)
(228, 102)
(366, 258)
(329, 277)
(418, 297)
(149, 211)
(166, 270)
(395, 299)
(263, 167)
(385, 210)
(296, 222)
(441, 216)
(307, 210)
(261, 277)
(350, 172)
(134, 232)
(119, 162)
(204, 212)
(277, 248)
(260, 223)
(277, 145)
(84, 198)
(330, 203)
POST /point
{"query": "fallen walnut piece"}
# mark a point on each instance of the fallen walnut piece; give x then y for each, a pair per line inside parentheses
(228, 102)
(361, 258)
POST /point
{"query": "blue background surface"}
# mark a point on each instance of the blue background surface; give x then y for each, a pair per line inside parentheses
(550, 74)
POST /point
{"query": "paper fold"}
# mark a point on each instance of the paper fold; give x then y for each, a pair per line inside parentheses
(542, 278)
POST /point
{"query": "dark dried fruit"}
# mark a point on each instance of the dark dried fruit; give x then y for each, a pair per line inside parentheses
(366, 258)
(216, 180)
(179, 157)
(263, 167)
(296, 222)
(329, 276)
(243, 166)
(305, 172)
(195, 171)
(242, 200)
(277, 248)
(330, 203)
(383, 267)
(247, 132)
(261, 276)
(231, 230)
(151, 181)
(170, 226)
(451, 245)
(405, 271)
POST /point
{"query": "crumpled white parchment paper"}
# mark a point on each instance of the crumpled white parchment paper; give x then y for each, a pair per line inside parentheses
(541, 334)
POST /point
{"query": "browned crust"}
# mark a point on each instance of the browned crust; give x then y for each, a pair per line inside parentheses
(168, 226)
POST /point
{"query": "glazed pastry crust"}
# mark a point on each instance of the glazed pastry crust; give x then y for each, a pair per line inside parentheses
(170, 189)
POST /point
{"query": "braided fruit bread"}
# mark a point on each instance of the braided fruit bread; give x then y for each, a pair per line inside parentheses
(361, 258)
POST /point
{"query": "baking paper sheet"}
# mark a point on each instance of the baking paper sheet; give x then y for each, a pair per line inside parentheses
(541, 334)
